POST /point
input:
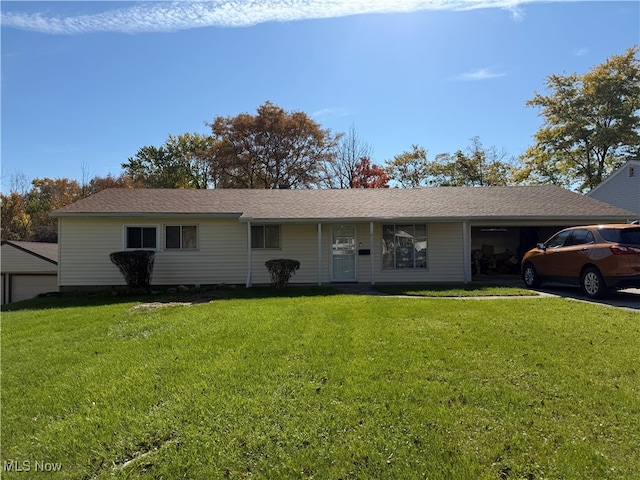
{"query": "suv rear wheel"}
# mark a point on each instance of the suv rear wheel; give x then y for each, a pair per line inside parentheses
(592, 283)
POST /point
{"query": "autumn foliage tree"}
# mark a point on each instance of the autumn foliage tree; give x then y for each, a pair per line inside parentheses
(368, 175)
(26, 215)
(272, 149)
(46, 195)
(14, 219)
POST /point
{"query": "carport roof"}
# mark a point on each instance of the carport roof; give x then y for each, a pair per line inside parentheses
(45, 251)
(528, 203)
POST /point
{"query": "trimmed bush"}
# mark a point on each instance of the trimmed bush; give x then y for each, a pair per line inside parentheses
(281, 270)
(136, 267)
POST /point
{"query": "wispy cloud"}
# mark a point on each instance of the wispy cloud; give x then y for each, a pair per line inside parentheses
(173, 16)
(331, 112)
(481, 74)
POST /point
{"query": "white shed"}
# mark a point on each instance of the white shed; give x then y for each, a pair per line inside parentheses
(28, 269)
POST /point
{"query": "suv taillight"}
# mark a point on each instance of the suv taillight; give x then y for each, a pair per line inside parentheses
(622, 250)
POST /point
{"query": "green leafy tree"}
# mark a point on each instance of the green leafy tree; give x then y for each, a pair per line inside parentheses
(478, 167)
(410, 169)
(273, 149)
(196, 151)
(591, 125)
(182, 162)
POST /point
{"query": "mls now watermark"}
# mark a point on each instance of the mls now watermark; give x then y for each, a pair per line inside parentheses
(30, 466)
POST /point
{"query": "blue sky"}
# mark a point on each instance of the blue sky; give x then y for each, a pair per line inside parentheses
(84, 85)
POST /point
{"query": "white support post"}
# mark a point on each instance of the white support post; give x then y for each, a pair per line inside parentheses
(249, 259)
(466, 253)
(371, 250)
(319, 254)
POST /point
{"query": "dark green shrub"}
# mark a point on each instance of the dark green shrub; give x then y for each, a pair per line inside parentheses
(281, 270)
(136, 266)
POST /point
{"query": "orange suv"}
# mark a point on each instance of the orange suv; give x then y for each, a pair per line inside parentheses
(596, 257)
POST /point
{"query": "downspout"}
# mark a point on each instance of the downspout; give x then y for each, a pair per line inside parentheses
(319, 254)
(249, 259)
(371, 249)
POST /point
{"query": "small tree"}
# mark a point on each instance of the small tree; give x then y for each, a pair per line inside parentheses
(368, 175)
(281, 271)
(136, 266)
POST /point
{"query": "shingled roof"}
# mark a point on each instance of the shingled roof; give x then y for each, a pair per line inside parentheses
(45, 251)
(540, 202)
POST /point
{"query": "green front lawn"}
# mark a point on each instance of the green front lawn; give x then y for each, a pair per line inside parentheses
(322, 386)
(466, 290)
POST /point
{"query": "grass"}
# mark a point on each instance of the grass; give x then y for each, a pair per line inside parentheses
(467, 290)
(318, 385)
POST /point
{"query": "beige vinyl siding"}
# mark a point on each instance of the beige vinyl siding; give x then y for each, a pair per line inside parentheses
(87, 242)
(85, 245)
(300, 242)
(15, 260)
(364, 261)
(297, 242)
(221, 256)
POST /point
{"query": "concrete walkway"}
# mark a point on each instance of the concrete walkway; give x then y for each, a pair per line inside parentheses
(628, 299)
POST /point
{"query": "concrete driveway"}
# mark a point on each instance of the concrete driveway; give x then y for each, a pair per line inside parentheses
(627, 299)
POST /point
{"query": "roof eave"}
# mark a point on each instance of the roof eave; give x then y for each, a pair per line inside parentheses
(445, 219)
(145, 214)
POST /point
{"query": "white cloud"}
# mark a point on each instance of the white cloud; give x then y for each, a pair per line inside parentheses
(330, 112)
(481, 74)
(181, 15)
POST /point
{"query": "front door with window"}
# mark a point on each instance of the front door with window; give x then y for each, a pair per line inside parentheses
(343, 253)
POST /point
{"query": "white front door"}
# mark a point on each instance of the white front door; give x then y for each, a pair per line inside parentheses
(343, 253)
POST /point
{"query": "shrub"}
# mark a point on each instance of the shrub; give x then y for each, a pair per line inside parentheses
(136, 266)
(281, 270)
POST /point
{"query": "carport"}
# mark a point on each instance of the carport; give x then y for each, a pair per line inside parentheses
(497, 248)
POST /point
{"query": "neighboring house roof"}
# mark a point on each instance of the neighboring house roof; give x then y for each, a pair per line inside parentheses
(45, 251)
(540, 202)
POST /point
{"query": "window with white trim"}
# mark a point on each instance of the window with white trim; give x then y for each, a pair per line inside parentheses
(265, 236)
(404, 246)
(180, 237)
(141, 237)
